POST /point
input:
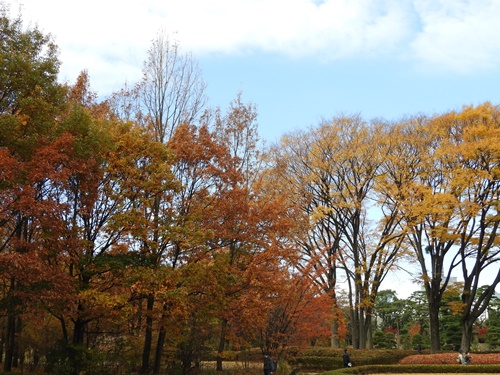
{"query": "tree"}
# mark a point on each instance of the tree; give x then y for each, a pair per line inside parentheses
(246, 221)
(370, 251)
(170, 93)
(474, 179)
(238, 130)
(28, 79)
(112, 163)
(30, 99)
(298, 316)
(415, 320)
(416, 179)
(332, 170)
(304, 178)
(449, 317)
(386, 310)
(493, 320)
(445, 179)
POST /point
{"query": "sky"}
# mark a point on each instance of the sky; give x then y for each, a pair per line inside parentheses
(299, 61)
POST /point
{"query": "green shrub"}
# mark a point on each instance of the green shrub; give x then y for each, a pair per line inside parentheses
(323, 359)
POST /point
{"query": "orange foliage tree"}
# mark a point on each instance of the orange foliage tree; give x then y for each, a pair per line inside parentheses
(30, 101)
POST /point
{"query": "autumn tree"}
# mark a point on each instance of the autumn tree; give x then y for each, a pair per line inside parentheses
(172, 230)
(445, 178)
(332, 170)
(238, 130)
(298, 169)
(299, 315)
(372, 247)
(233, 229)
(472, 153)
(244, 222)
(414, 179)
(170, 94)
(111, 163)
(30, 100)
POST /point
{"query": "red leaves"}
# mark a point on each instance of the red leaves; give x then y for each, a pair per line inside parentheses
(449, 358)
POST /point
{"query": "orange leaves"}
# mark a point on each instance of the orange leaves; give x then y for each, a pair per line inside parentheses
(414, 329)
(299, 313)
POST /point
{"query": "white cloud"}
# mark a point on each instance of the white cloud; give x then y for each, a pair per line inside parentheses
(332, 28)
(106, 36)
(457, 34)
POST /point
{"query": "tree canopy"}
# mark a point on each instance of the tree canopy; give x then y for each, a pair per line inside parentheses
(146, 232)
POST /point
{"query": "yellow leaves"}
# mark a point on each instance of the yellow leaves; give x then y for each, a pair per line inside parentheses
(470, 136)
(99, 304)
(456, 307)
(446, 168)
(105, 300)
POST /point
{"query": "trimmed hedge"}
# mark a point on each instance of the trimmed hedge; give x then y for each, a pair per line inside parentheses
(409, 369)
(324, 359)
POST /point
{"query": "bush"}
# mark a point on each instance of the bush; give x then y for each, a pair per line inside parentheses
(66, 359)
(323, 359)
(415, 369)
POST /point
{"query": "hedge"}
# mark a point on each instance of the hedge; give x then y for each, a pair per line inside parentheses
(324, 359)
(409, 369)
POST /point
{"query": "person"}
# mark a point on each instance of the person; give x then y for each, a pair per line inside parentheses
(269, 364)
(346, 358)
(461, 358)
(467, 358)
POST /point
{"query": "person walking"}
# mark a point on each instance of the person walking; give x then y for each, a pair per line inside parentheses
(269, 364)
(346, 358)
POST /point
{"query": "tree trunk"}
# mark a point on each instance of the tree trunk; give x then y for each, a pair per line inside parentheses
(161, 342)
(222, 341)
(466, 336)
(79, 332)
(369, 331)
(334, 340)
(78, 340)
(9, 342)
(148, 336)
(434, 324)
(64, 330)
(361, 329)
(355, 328)
(159, 350)
(10, 330)
(2, 344)
(17, 354)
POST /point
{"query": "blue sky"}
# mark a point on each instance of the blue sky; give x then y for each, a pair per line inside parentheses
(298, 61)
